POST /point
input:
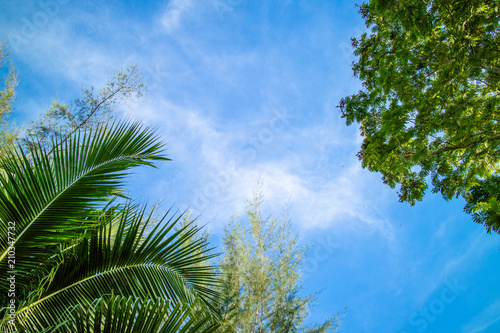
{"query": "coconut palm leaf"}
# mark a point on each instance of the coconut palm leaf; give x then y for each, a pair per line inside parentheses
(120, 257)
(129, 315)
(75, 248)
(47, 199)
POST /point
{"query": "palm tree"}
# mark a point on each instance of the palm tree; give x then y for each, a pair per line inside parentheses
(73, 259)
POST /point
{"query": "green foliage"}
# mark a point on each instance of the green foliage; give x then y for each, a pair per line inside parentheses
(261, 276)
(8, 130)
(76, 249)
(125, 314)
(84, 263)
(429, 107)
(61, 120)
(93, 108)
(484, 203)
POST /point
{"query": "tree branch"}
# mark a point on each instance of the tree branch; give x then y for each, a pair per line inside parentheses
(95, 109)
(463, 145)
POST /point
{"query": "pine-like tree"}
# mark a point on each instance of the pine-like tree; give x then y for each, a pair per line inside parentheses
(261, 271)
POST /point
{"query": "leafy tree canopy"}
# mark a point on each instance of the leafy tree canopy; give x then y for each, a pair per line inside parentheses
(429, 106)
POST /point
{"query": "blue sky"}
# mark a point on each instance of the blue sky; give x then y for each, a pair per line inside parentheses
(246, 90)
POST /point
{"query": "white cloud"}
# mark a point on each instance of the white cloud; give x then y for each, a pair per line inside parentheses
(172, 17)
(489, 316)
(209, 151)
(225, 175)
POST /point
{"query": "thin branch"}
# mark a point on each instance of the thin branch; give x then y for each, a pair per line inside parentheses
(491, 68)
(463, 145)
(449, 12)
(94, 110)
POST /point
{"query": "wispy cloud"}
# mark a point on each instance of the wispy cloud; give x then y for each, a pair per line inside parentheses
(174, 13)
(487, 317)
(226, 161)
(291, 161)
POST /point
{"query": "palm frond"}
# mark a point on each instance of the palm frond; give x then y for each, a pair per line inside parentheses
(49, 198)
(133, 315)
(120, 258)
